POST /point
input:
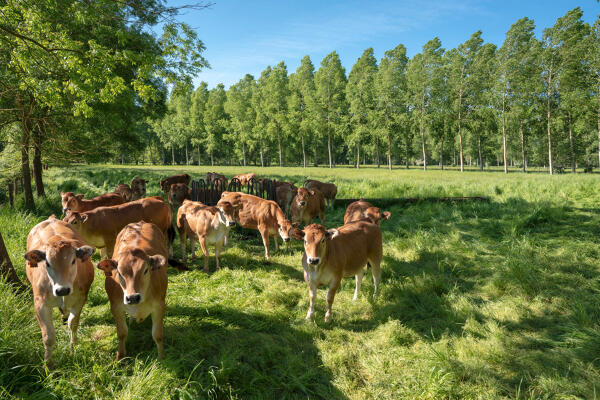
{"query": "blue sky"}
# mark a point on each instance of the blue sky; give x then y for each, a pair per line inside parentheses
(244, 36)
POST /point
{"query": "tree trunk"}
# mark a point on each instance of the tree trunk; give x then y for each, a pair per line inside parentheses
(389, 151)
(406, 150)
(212, 158)
(11, 196)
(37, 162)
(423, 142)
(358, 156)
(244, 153)
(377, 151)
(549, 116)
(29, 203)
(316, 154)
(442, 151)
(573, 166)
(479, 150)
(523, 147)
(280, 147)
(187, 158)
(303, 152)
(262, 160)
(599, 123)
(172, 155)
(6, 268)
(198, 155)
(329, 149)
(503, 134)
(460, 144)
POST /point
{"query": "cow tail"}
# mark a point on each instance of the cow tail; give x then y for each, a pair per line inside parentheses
(171, 234)
(368, 265)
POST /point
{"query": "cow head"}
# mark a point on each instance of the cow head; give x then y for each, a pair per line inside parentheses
(227, 213)
(177, 193)
(134, 269)
(138, 187)
(75, 218)
(375, 215)
(61, 264)
(285, 229)
(70, 201)
(124, 191)
(315, 238)
(302, 197)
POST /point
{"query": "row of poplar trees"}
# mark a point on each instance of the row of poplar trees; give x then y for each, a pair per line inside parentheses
(529, 102)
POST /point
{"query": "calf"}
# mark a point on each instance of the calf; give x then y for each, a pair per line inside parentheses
(165, 184)
(76, 202)
(245, 178)
(124, 191)
(284, 195)
(61, 273)
(363, 209)
(101, 226)
(136, 280)
(213, 176)
(329, 190)
(308, 204)
(138, 188)
(208, 225)
(260, 214)
(178, 193)
(332, 254)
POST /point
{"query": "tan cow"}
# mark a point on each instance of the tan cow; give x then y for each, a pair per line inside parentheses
(178, 193)
(363, 209)
(138, 188)
(307, 205)
(284, 196)
(208, 225)
(100, 227)
(61, 273)
(136, 280)
(124, 191)
(263, 215)
(245, 178)
(332, 254)
(213, 176)
(165, 184)
(76, 202)
(329, 190)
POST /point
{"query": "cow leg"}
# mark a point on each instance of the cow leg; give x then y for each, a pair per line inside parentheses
(204, 251)
(193, 247)
(376, 271)
(358, 277)
(218, 246)
(322, 216)
(121, 323)
(44, 317)
(73, 322)
(330, 296)
(183, 242)
(157, 329)
(276, 242)
(265, 237)
(312, 296)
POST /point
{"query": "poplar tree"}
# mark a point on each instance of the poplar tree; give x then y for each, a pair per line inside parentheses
(594, 51)
(240, 110)
(301, 102)
(274, 104)
(199, 99)
(215, 121)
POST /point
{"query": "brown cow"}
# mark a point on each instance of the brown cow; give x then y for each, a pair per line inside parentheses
(329, 190)
(101, 226)
(245, 178)
(165, 184)
(308, 204)
(138, 188)
(332, 254)
(363, 209)
(124, 191)
(213, 176)
(178, 193)
(208, 225)
(284, 195)
(136, 280)
(61, 273)
(76, 202)
(263, 215)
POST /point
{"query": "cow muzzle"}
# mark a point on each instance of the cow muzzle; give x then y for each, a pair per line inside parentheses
(60, 291)
(302, 203)
(65, 210)
(230, 223)
(133, 298)
(313, 260)
(286, 239)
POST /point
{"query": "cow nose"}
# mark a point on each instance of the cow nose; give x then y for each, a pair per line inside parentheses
(65, 210)
(231, 223)
(313, 261)
(286, 239)
(302, 203)
(133, 298)
(62, 291)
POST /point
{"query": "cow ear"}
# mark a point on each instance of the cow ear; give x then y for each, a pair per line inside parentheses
(33, 257)
(147, 181)
(297, 233)
(107, 266)
(295, 224)
(79, 196)
(331, 233)
(387, 215)
(84, 252)
(62, 194)
(157, 262)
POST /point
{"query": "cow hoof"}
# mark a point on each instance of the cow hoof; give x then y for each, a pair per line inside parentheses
(328, 318)
(50, 365)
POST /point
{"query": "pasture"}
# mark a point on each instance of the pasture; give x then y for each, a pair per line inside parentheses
(497, 299)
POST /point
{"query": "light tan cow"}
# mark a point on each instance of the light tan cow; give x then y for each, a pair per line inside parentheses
(208, 225)
(138, 188)
(76, 202)
(263, 215)
(61, 273)
(178, 193)
(307, 205)
(136, 280)
(124, 191)
(332, 254)
(100, 227)
(245, 178)
(165, 184)
(329, 190)
(363, 209)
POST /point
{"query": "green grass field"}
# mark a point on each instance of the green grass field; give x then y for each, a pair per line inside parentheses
(484, 300)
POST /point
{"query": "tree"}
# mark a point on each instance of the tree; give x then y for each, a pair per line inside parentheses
(239, 108)
(198, 108)
(7, 270)
(595, 71)
(330, 83)
(215, 120)
(301, 102)
(274, 103)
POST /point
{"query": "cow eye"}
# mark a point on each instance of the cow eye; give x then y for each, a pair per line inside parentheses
(73, 261)
(121, 279)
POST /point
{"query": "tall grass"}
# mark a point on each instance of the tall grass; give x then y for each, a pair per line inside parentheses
(483, 300)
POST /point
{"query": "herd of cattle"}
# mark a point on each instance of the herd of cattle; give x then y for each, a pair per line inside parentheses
(135, 233)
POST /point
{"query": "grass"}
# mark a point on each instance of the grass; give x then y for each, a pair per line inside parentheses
(497, 299)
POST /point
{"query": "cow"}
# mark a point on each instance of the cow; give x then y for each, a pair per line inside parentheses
(363, 209)
(208, 225)
(263, 215)
(60, 272)
(165, 184)
(76, 202)
(245, 178)
(101, 226)
(213, 176)
(329, 190)
(332, 254)
(178, 193)
(136, 280)
(284, 195)
(138, 188)
(124, 191)
(307, 205)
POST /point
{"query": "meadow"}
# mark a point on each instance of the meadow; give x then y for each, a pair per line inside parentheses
(479, 300)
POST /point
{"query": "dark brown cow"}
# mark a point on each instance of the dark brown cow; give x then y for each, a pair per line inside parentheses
(138, 188)
(329, 190)
(76, 202)
(213, 176)
(165, 184)
(332, 254)
(363, 209)
(124, 191)
(307, 205)
(178, 193)
(284, 196)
